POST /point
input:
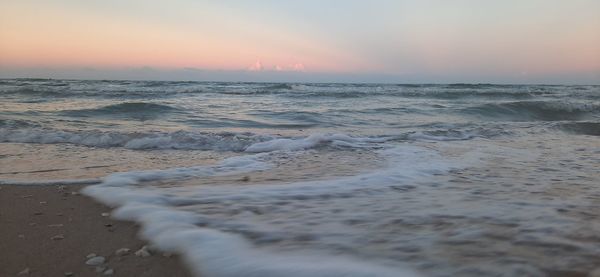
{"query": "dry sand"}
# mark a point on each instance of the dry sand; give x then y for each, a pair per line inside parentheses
(30, 217)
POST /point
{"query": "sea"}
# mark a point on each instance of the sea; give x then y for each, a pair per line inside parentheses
(311, 179)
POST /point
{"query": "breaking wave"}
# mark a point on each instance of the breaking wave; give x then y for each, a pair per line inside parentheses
(228, 141)
(135, 140)
(236, 142)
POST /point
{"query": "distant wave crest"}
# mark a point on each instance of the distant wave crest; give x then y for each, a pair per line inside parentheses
(227, 141)
(135, 140)
(580, 128)
(136, 110)
(535, 110)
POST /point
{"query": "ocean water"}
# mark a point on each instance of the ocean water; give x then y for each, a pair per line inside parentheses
(259, 179)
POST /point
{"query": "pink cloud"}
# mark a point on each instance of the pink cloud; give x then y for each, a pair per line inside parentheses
(298, 67)
(257, 66)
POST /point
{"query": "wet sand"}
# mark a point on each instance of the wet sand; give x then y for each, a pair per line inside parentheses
(49, 231)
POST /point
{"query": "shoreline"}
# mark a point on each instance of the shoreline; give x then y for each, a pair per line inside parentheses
(49, 231)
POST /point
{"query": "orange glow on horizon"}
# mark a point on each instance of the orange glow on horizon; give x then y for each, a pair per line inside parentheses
(52, 40)
(48, 35)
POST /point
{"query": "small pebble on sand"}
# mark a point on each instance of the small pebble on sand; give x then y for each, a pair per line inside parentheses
(98, 260)
(104, 214)
(143, 252)
(122, 251)
(109, 271)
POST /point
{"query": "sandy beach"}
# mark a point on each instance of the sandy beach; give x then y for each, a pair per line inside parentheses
(50, 231)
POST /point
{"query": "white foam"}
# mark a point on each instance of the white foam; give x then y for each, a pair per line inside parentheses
(210, 252)
(182, 140)
(113, 190)
(214, 253)
(309, 142)
(137, 141)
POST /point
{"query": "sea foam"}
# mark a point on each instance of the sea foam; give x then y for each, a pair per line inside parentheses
(310, 142)
(211, 252)
(227, 141)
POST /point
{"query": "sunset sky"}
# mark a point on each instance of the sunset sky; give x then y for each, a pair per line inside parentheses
(509, 41)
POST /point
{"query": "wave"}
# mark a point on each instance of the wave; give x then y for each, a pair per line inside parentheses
(228, 141)
(462, 94)
(292, 117)
(136, 140)
(312, 141)
(443, 92)
(535, 110)
(580, 128)
(211, 248)
(135, 90)
(134, 110)
(36, 91)
(470, 86)
(236, 142)
(162, 89)
(454, 134)
(245, 123)
(281, 86)
(17, 124)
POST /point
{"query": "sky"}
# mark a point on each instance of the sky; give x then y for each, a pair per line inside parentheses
(395, 41)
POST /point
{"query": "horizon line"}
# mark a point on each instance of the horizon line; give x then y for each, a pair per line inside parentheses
(307, 82)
